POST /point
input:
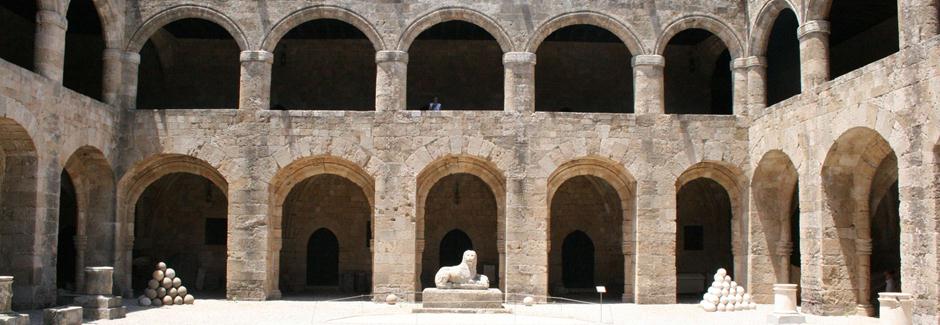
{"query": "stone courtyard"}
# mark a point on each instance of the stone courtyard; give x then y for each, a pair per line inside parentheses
(273, 151)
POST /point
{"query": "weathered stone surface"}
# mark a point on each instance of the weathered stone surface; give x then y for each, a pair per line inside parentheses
(6, 294)
(14, 319)
(104, 313)
(99, 280)
(462, 298)
(67, 315)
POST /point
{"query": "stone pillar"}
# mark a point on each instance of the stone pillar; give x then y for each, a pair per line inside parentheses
(648, 86)
(814, 53)
(391, 80)
(419, 260)
(656, 248)
(254, 91)
(99, 280)
(785, 306)
(131, 62)
(50, 44)
(895, 308)
(784, 248)
(519, 92)
(863, 255)
(6, 294)
(756, 84)
(81, 245)
(917, 21)
(739, 87)
(111, 76)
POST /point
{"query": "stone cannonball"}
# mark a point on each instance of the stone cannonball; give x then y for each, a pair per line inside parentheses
(143, 301)
(150, 293)
(161, 292)
(721, 307)
(170, 273)
(168, 301)
(725, 285)
(178, 300)
(189, 299)
(153, 284)
(718, 277)
(177, 282)
(709, 307)
(734, 284)
(728, 278)
(725, 292)
(753, 305)
(167, 283)
(156, 302)
(391, 299)
(722, 272)
(158, 275)
(161, 266)
(528, 301)
(731, 307)
(172, 292)
(182, 291)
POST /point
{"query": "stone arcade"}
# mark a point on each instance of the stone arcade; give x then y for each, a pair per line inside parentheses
(274, 149)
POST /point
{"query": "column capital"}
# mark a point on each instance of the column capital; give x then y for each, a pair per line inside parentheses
(132, 57)
(256, 56)
(654, 60)
(391, 56)
(112, 54)
(812, 27)
(49, 17)
(519, 58)
(784, 248)
(863, 246)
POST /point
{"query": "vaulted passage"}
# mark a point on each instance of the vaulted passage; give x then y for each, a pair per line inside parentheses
(586, 238)
(783, 59)
(583, 68)
(327, 233)
(66, 253)
(324, 64)
(190, 63)
(863, 31)
(458, 63)
(697, 75)
(84, 47)
(18, 26)
(18, 201)
(460, 212)
(182, 219)
(703, 243)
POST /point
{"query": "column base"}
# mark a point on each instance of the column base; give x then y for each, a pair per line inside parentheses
(865, 310)
(786, 319)
(96, 307)
(14, 319)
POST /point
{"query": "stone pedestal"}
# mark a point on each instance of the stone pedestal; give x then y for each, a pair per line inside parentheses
(785, 306)
(7, 316)
(895, 308)
(97, 301)
(67, 315)
(461, 301)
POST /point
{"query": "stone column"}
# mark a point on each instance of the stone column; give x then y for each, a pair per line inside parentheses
(648, 87)
(756, 84)
(519, 80)
(863, 254)
(131, 62)
(254, 91)
(895, 308)
(391, 80)
(739, 87)
(656, 248)
(419, 260)
(81, 244)
(814, 53)
(6, 294)
(111, 75)
(917, 21)
(784, 248)
(50, 44)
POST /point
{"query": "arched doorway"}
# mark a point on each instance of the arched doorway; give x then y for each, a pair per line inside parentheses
(323, 259)
(66, 253)
(453, 245)
(783, 58)
(775, 230)
(704, 237)
(18, 199)
(182, 219)
(84, 49)
(577, 260)
(697, 76)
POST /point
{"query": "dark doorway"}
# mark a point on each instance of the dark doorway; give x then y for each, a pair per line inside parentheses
(783, 59)
(583, 68)
(886, 245)
(66, 253)
(459, 63)
(453, 245)
(697, 75)
(18, 23)
(84, 47)
(577, 259)
(704, 208)
(322, 259)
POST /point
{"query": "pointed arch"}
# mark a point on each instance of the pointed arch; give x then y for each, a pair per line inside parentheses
(169, 15)
(450, 14)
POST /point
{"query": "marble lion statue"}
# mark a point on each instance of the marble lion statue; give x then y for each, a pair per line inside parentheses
(463, 276)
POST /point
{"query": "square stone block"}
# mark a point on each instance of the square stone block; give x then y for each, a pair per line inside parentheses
(98, 301)
(66, 315)
(104, 313)
(14, 319)
(786, 319)
(462, 298)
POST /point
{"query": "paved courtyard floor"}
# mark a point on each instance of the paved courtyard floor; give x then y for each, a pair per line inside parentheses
(213, 311)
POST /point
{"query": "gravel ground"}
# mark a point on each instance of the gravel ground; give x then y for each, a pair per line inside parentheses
(212, 311)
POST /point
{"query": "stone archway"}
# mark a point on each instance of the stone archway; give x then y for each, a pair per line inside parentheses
(859, 176)
(19, 187)
(774, 224)
(93, 185)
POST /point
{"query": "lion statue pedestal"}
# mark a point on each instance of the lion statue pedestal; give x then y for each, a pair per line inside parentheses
(460, 289)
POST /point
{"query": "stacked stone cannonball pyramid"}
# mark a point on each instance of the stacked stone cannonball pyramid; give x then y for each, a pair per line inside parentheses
(165, 289)
(726, 295)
